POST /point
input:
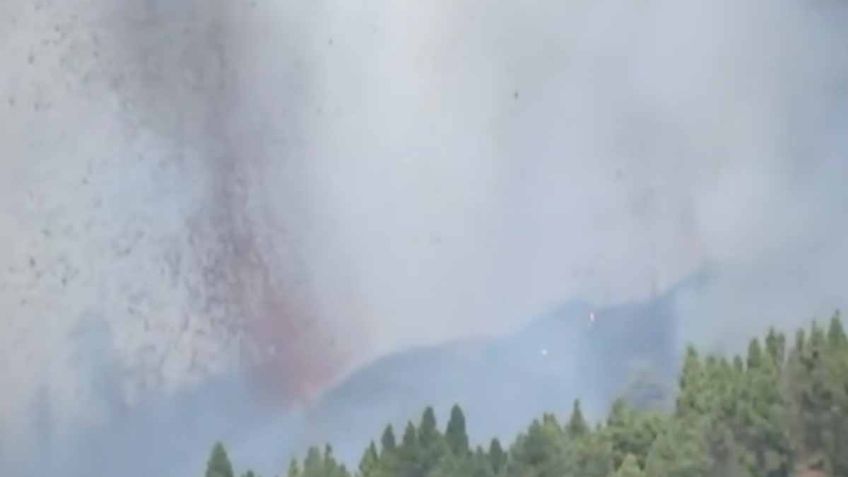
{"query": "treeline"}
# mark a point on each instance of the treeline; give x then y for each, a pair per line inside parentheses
(780, 410)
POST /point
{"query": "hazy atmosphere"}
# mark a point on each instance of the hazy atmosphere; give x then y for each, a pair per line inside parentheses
(211, 202)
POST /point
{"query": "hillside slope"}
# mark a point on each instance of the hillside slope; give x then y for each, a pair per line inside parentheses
(561, 356)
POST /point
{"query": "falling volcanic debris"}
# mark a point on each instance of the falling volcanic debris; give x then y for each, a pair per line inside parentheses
(194, 89)
(145, 203)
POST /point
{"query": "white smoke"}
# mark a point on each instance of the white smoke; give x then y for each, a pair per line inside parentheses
(360, 177)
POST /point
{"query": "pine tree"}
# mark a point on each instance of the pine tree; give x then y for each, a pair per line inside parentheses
(313, 464)
(427, 429)
(835, 333)
(410, 437)
(755, 354)
(455, 433)
(408, 463)
(429, 438)
(388, 441)
(431, 444)
(776, 347)
(497, 456)
(690, 399)
(389, 461)
(219, 464)
(370, 461)
(576, 426)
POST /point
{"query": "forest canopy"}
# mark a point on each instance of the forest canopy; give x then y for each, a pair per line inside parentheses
(781, 409)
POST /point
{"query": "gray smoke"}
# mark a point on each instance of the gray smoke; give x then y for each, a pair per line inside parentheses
(286, 190)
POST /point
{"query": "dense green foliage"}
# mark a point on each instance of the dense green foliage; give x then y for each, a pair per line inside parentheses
(774, 412)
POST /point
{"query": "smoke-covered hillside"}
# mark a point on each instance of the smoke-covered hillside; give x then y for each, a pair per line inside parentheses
(576, 350)
(597, 354)
(776, 410)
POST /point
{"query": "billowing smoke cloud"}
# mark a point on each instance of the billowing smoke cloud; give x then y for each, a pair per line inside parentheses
(294, 188)
(508, 156)
(138, 140)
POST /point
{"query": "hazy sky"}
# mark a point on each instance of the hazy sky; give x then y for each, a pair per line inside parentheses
(308, 185)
